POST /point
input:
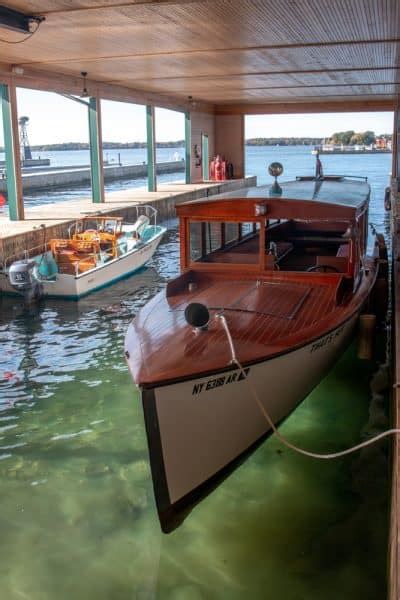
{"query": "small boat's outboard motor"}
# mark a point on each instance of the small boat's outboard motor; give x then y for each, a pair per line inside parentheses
(23, 277)
(140, 225)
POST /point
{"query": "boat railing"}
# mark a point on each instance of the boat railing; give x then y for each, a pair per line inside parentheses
(361, 177)
(25, 254)
(331, 177)
(141, 209)
(147, 210)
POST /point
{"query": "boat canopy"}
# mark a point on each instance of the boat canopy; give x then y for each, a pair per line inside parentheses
(294, 231)
(342, 191)
(331, 197)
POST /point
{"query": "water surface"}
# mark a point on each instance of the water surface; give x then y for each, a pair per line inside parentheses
(78, 518)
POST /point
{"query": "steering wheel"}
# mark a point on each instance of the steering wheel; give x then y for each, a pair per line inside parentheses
(323, 268)
(91, 235)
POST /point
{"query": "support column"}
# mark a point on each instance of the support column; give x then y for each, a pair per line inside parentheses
(229, 141)
(151, 149)
(188, 147)
(204, 157)
(96, 150)
(11, 145)
(396, 147)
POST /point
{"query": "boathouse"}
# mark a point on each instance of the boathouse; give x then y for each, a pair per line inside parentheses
(215, 62)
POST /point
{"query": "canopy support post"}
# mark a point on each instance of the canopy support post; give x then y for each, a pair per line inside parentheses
(96, 150)
(12, 151)
(151, 149)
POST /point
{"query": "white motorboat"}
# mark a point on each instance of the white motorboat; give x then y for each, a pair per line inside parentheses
(99, 251)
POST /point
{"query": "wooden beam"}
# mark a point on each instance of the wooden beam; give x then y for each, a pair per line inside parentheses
(208, 49)
(207, 76)
(68, 84)
(306, 107)
(101, 6)
(12, 151)
(314, 86)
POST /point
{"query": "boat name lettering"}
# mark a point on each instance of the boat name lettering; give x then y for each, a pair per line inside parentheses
(327, 339)
(218, 381)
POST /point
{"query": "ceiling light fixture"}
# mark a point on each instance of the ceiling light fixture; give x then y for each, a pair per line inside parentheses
(17, 70)
(84, 93)
(191, 101)
(18, 21)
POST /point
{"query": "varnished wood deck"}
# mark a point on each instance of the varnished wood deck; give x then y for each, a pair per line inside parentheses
(265, 319)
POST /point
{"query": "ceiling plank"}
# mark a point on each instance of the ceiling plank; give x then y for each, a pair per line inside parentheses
(218, 51)
(251, 49)
(105, 6)
(306, 107)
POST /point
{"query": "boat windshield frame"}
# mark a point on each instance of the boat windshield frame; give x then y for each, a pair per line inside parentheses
(261, 213)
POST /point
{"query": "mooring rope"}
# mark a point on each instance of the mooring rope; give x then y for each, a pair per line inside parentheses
(270, 422)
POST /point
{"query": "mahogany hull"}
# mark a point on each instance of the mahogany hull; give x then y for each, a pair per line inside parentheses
(200, 429)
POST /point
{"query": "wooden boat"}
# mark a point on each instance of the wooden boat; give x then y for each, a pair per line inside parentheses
(99, 251)
(290, 274)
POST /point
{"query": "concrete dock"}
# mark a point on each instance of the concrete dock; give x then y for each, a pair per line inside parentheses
(18, 236)
(61, 177)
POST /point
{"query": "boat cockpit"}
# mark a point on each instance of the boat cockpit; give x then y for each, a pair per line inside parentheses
(288, 244)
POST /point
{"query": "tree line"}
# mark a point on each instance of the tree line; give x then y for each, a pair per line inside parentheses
(284, 141)
(341, 137)
(106, 145)
(352, 138)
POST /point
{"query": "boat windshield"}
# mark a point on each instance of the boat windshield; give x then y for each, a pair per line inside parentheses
(100, 224)
(221, 242)
(289, 245)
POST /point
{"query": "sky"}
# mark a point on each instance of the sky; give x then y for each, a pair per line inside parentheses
(55, 119)
(317, 125)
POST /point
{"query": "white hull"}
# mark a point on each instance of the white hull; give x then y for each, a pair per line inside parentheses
(198, 427)
(76, 286)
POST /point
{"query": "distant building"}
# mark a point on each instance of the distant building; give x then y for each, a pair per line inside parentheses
(383, 143)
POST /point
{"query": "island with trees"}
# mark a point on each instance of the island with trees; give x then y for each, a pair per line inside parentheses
(338, 141)
(351, 142)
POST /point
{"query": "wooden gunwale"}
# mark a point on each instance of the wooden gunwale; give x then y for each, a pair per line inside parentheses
(247, 363)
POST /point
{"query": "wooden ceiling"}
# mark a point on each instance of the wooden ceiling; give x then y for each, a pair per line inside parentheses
(236, 54)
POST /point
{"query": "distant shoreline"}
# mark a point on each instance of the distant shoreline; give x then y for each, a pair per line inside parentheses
(253, 142)
(72, 146)
(358, 152)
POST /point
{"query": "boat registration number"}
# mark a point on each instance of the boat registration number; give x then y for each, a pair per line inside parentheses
(327, 339)
(211, 384)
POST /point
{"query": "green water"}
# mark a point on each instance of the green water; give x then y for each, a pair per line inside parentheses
(77, 513)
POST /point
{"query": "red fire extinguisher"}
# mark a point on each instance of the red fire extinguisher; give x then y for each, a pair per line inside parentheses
(220, 168)
(212, 170)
